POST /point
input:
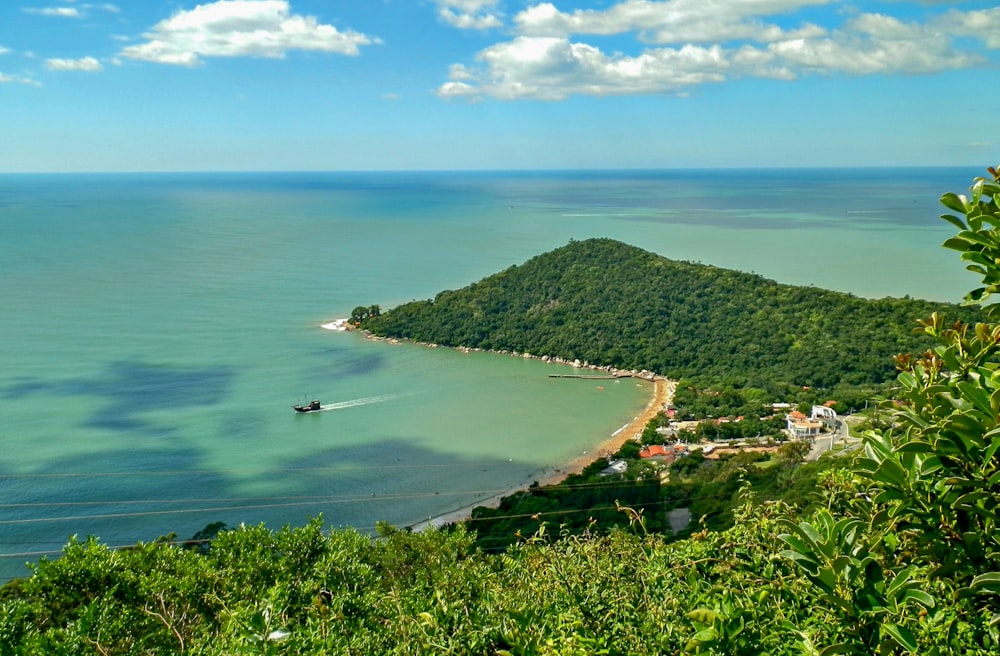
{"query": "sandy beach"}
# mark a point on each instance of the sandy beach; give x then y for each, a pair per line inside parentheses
(663, 392)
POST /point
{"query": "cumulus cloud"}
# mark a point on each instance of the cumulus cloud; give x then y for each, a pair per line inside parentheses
(983, 24)
(686, 43)
(552, 68)
(240, 28)
(470, 14)
(666, 22)
(874, 43)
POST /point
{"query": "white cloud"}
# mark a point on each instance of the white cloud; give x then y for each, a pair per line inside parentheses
(4, 51)
(107, 6)
(72, 12)
(8, 79)
(470, 14)
(88, 64)
(240, 28)
(708, 42)
(982, 24)
(665, 22)
(874, 43)
(552, 68)
(64, 12)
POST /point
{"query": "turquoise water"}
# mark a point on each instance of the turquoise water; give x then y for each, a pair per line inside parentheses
(156, 329)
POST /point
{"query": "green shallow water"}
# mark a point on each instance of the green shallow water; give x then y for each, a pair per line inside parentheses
(156, 330)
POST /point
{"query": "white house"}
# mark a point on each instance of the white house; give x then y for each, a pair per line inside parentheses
(824, 414)
(616, 467)
(799, 426)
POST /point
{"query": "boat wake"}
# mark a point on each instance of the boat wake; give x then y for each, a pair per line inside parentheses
(342, 405)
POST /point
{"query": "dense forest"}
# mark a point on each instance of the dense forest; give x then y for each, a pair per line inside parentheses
(612, 304)
(895, 552)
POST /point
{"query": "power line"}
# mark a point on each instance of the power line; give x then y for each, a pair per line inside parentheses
(468, 520)
(268, 470)
(319, 498)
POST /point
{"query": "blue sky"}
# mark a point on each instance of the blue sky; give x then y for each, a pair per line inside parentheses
(178, 85)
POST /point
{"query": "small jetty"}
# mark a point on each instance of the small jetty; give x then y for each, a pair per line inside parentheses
(589, 376)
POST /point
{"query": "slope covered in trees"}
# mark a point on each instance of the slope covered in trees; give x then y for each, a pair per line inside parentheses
(613, 304)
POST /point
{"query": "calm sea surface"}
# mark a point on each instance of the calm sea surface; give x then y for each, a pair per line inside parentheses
(155, 330)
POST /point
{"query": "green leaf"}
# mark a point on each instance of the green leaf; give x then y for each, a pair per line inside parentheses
(954, 220)
(902, 636)
(920, 597)
(914, 447)
(953, 202)
(957, 244)
(968, 500)
(988, 582)
(703, 615)
(977, 238)
(890, 472)
(705, 635)
(898, 581)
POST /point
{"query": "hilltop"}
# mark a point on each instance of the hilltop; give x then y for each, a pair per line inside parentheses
(613, 304)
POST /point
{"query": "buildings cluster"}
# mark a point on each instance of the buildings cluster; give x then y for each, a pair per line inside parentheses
(799, 426)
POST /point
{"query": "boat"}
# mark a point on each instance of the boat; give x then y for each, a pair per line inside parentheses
(313, 406)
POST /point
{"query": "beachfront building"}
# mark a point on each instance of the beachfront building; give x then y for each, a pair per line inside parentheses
(664, 452)
(802, 427)
(615, 467)
(825, 414)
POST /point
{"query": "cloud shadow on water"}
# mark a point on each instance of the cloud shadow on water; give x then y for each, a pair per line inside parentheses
(133, 388)
(138, 495)
(344, 363)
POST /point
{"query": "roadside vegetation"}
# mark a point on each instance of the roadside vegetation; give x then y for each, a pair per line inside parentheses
(896, 552)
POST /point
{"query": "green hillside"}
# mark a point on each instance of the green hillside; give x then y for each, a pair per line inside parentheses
(609, 303)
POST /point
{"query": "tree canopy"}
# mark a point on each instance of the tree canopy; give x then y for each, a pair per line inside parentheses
(609, 303)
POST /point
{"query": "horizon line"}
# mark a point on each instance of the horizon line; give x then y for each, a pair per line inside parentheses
(857, 167)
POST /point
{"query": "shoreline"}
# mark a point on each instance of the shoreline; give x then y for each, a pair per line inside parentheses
(663, 392)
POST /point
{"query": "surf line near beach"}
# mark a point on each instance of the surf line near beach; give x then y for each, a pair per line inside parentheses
(663, 393)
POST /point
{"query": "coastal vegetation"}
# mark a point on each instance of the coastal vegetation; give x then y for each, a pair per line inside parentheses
(898, 552)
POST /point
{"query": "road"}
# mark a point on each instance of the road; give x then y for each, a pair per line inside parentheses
(825, 442)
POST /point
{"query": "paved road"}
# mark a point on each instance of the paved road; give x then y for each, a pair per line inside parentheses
(825, 442)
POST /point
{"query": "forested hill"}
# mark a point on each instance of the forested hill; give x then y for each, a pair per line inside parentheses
(609, 303)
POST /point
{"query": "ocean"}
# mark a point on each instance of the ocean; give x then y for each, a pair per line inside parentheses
(156, 329)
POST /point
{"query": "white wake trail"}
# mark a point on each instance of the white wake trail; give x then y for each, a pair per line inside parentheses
(356, 402)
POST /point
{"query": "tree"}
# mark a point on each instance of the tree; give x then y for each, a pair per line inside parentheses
(361, 313)
(793, 452)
